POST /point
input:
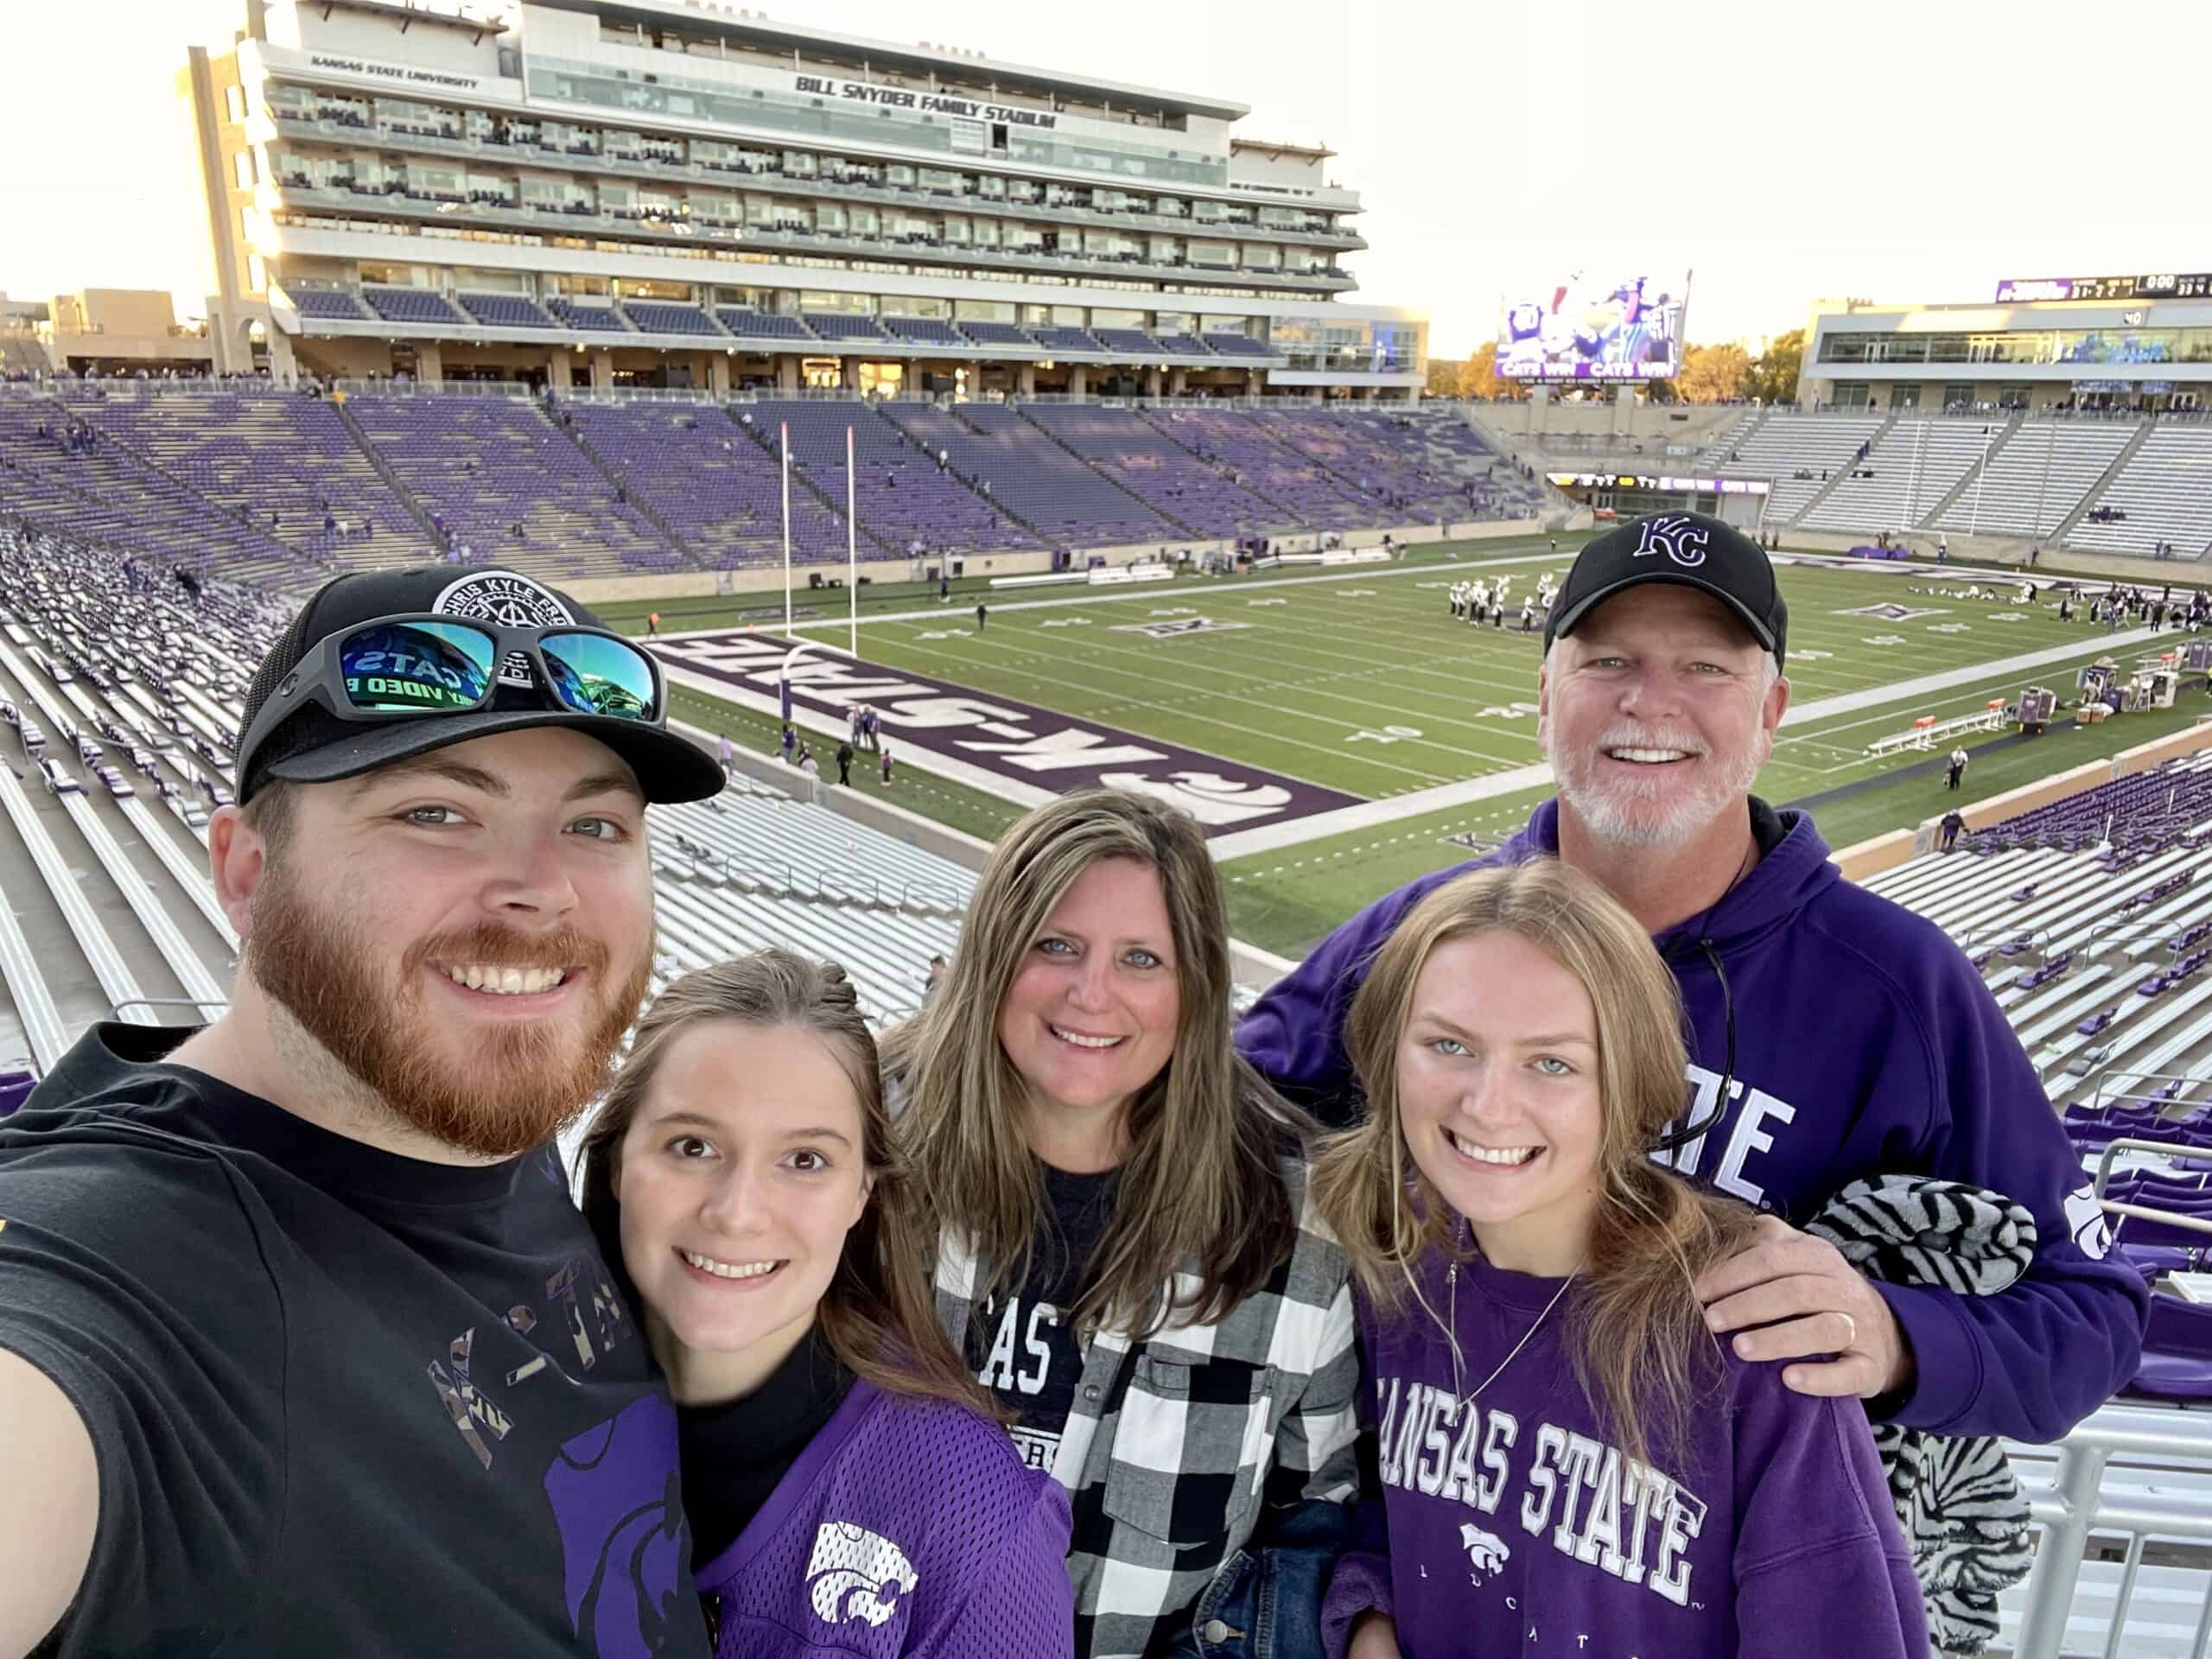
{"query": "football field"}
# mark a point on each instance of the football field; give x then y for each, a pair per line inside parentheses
(1362, 681)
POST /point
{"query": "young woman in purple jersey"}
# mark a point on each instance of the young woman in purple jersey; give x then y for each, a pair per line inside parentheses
(1568, 1461)
(846, 1484)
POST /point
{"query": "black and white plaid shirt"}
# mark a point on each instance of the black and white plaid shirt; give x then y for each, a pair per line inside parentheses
(1178, 1446)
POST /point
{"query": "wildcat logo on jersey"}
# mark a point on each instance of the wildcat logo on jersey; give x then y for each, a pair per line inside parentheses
(1678, 538)
(855, 1574)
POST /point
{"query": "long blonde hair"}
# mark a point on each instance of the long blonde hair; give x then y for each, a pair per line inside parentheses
(1636, 1330)
(1202, 1190)
(878, 1315)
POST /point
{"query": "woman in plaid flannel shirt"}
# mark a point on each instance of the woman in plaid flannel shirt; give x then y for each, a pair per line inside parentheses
(1126, 1252)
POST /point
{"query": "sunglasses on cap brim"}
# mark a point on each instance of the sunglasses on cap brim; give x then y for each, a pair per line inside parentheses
(409, 667)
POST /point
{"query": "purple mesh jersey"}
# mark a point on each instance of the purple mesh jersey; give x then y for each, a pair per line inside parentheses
(907, 1527)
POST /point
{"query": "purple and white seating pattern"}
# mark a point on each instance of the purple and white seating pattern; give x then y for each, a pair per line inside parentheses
(2099, 963)
(1066, 501)
(1201, 499)
(901, 498)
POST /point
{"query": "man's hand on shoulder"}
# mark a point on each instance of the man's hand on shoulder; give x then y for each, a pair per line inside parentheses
(47, 1524)
(1790, 1296)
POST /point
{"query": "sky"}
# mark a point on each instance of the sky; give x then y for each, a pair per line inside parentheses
(1781, 153)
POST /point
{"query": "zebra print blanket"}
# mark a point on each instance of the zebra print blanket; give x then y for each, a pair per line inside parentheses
(1963, 1512)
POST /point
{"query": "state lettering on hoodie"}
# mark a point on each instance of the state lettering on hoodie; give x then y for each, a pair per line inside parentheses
(1587, 1499)
(1750, 1133)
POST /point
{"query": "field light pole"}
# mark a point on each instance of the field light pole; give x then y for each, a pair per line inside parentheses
(787, 529)
(852, 554)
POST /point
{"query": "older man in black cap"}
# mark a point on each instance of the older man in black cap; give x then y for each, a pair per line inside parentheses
(302, 1346)
(1833, 1035)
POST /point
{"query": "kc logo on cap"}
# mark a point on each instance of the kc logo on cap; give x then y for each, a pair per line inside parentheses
(1681, 540)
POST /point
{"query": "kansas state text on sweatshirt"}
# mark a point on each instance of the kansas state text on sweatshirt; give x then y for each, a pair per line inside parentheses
(1510, 1523)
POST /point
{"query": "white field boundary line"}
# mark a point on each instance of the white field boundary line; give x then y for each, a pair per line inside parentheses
(1152, 593)
(1273, 837)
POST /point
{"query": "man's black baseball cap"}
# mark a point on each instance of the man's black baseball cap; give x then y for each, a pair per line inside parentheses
(315, 746)
(1688, 548)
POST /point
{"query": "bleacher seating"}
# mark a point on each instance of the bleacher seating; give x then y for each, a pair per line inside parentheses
(284, 464)
(1820, 445)
(1720, 453)
(1065, 340)
(925, 331)
(2162, 492)
(484, 466)
(664, 317)
(103, 494)
(904, 502)
(2038, 477)
(997, 333)
(1383, 454)
(282, 487)
(2090, 917)
(1184, 345)
(1913, 468)
(506, 311)
(1234, 441)
(412, 305)
(708, 477)
(1238, 346)
(592, 318)
(1176, 484)
(1066, 502)
(840, 325)
(327, 302)
(760, 325)
(1133, 340)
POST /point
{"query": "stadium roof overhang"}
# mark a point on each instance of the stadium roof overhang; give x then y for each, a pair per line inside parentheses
(1010, 78)
(411, 13)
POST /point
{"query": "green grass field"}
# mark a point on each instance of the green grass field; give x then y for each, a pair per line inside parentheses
(1362, 681)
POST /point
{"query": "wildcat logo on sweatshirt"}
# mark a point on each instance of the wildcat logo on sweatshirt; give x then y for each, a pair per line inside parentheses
(854, 1573)
(1486, 1551)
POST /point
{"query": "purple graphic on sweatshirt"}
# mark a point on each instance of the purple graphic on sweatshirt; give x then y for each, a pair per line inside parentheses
(624, 1550)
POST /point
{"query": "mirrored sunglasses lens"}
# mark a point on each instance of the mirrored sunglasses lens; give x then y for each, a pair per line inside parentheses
(597, 676)
(423, 667)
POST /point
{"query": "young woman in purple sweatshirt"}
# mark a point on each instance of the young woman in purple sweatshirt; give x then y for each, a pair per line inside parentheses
(1569, 1462)
(848, 1487)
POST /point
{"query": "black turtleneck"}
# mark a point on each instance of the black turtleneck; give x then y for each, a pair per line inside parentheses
(733, 1454)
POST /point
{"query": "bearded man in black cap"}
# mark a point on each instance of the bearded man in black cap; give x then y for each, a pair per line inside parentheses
(303, 1348)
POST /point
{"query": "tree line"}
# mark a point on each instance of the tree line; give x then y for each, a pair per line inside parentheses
(1710, 374)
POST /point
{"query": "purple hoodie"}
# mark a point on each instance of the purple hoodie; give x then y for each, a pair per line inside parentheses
(905, 1528)
(1512, 1523)
(1865, 1043)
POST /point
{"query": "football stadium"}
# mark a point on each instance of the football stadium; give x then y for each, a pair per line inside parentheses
(886, 452)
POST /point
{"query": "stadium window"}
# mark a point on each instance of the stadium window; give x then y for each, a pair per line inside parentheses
(234, 100)
(242, 166)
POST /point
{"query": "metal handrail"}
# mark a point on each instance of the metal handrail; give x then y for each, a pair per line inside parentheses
(2074, 1506)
